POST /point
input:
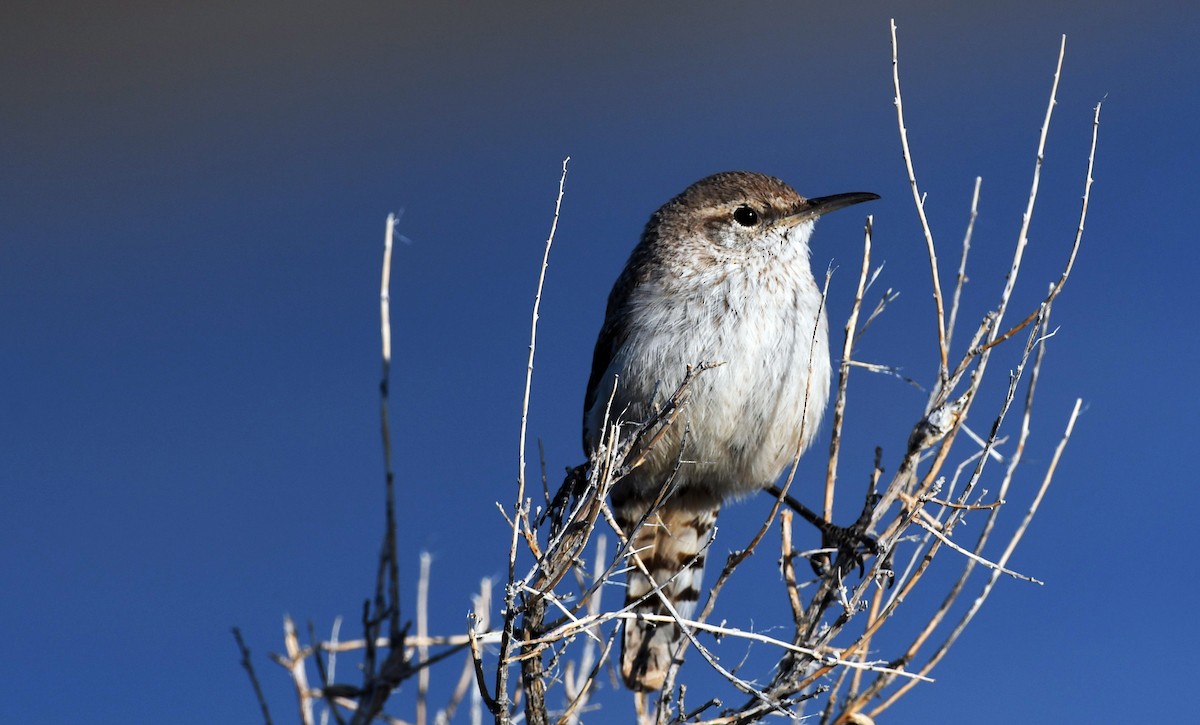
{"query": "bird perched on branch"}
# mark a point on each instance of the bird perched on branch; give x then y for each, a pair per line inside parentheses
(721, 275)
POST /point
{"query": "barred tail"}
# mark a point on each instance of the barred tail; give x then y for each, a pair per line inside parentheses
(671, 544)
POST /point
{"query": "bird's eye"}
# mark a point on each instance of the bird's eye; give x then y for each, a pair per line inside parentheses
(745, 215)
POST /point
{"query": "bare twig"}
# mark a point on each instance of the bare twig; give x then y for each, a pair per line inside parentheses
(579, 690)
(919, 200)
(1027, 217)
(839, 407)
(389, 554)
(480, 676)
(581, 697)
(931, 528)
(502, 701)
(961, 279)
(248, 665)
(293, 662)
(378, 682)
(1087, 190)
(423, 631)
(537, 303)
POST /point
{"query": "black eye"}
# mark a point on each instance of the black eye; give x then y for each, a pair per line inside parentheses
(746, 216)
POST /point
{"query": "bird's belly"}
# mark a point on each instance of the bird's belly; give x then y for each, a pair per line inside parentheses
(744, 419)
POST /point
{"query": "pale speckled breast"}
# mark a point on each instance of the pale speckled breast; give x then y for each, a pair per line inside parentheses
(745, 418)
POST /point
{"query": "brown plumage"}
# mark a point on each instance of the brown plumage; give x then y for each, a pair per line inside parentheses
(721, 274)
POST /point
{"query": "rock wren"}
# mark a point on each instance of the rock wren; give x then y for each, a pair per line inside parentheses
(721, 275)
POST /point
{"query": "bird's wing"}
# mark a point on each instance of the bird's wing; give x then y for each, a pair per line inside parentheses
(613, 334)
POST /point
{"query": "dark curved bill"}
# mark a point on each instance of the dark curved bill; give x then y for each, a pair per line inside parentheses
(825, 204)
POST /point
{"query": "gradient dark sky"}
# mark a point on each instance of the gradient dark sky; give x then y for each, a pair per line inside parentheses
(192, 206)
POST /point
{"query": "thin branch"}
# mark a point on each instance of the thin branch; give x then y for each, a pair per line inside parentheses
(920, 521)
(961, 280)
(501, 703)
(423, 631)
(839, 408)
(1087, 190)
(248, 665)
(1027, 217)
(294, 664)
(787, 564)
(919, 200)
(568, 717)
(889, 296)
(480, 677)
(579, 690)
(537, 303)
(389, 554)
(378, 684)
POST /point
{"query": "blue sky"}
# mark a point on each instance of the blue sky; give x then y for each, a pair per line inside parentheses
(191, 214)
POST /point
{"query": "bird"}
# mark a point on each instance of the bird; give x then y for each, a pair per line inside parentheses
(720, 279)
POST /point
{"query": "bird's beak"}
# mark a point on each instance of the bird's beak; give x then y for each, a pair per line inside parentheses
(822, 205)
